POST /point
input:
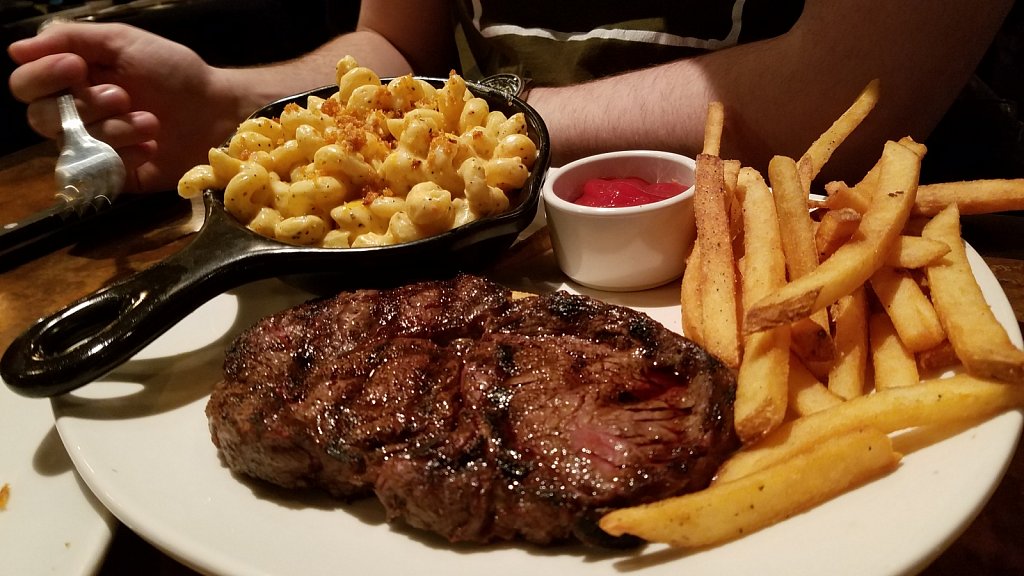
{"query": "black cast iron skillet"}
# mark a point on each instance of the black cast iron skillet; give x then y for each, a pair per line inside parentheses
(99, 332)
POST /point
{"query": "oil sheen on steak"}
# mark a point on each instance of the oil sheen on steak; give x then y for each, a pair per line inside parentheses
(472, 414)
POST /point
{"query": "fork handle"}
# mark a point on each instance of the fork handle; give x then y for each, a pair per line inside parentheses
(70, 122)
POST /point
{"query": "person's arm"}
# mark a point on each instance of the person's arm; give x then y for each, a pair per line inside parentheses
(782, 93)
(162, 107)
(392, 37)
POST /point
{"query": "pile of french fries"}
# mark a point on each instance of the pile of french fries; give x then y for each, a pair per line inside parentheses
(847, 317)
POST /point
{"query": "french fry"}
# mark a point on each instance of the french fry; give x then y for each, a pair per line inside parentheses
(915, 252)
(791, 208)
(840, 196)
(714, 124)
(811, 339)
(913, 146)
(865, 188)
(848, 377)
(973, 197)
(731, 169)
(690, 288)
(761, 391)
(881, 233)
(869, 182)
(821, 149)
(729, 510)
(734, 201)
(690, 297)
(977, 337)
(853, 263)
(806, 394)
(813, 343)
(960, 398)
(764, 268)
(894, 365)
(910, 310)
(762, 385)
(938, 359)
(834, 229)
(719, 300)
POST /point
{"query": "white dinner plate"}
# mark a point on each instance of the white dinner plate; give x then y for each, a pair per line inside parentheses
(52, 523)
(140, 440)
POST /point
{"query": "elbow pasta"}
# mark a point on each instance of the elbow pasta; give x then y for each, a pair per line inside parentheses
(372, 165)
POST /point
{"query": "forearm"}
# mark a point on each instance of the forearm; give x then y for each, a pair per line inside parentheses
(781, 93)
(658, 108)
(251, 88)
(392, 37)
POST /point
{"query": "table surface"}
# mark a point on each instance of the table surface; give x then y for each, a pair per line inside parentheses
(990, 545)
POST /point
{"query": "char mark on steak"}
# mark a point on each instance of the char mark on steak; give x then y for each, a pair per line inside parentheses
(472, 414)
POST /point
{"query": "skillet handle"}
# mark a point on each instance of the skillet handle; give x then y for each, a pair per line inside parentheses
(101, 331)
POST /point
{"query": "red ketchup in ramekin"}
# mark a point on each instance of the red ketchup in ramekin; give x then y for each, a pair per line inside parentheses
(623, 192)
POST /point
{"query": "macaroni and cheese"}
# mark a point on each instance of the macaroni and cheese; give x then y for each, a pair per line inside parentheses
(372, 165)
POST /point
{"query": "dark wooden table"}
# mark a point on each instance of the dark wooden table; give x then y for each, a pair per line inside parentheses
(992, 545)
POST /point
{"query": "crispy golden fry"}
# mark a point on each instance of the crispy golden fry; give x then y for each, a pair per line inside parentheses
(764, 268)
(821, 150)
(855, 262)
(714, 124)
(734, 202)
(865, 189)
(731, 169)
(938, 359)
(690, 297)
(893, 363)
(913, 146)
(791, 208)
(834, 229)
(762, 383)
(719, 299)
(761, 391)
(840, 197)
(817, 203)
(909, 309)
(859, 195)
(980, 341)
(961, 398)
(868, 234)
(806, 394)
(972, 197)
(915, 252)
(729, 510)
(811, 339)
(848, 376)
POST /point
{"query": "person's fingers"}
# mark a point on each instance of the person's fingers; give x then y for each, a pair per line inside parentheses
(99, 43)
(138, 154)
(95, 104)
(47, 76)
(138, 166)
(126, 130)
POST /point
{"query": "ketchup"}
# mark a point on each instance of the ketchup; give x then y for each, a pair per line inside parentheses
(623, 192)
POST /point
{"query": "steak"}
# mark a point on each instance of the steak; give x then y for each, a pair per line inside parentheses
(473, 414)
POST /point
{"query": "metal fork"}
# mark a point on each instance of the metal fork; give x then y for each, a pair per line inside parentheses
(89, 172)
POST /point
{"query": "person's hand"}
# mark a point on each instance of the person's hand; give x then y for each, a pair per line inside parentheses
(155, 101)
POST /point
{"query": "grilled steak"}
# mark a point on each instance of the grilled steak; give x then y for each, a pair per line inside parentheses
(470, 413)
